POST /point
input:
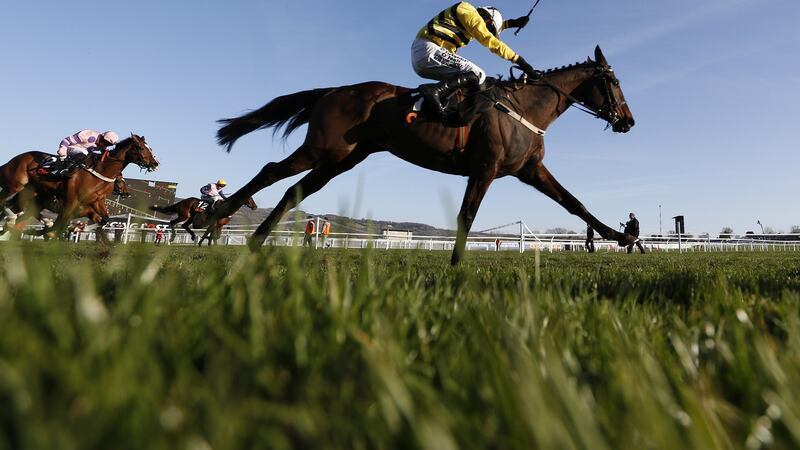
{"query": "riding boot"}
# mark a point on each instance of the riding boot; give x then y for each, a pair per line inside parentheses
(50, 162)
(436, 93)
(73, 164)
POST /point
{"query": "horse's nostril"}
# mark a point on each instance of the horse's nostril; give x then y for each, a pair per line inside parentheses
(631, 122)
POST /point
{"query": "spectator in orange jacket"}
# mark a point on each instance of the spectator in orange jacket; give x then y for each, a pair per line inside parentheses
(310, 228)
(326, 230)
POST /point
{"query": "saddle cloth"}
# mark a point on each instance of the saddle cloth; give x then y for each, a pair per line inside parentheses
(462, 110)
(201, 206)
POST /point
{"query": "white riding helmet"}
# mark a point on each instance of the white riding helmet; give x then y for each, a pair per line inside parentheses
(111, 137)
(497, 18)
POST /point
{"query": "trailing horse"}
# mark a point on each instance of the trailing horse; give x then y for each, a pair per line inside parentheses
(349, 123)
(187, 211)
(95, 212)
(24, 185)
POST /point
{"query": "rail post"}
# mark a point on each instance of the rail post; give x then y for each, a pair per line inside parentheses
(316, 235)
(127, 229)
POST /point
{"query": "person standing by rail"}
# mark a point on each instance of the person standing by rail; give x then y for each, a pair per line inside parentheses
(309, 232)
(326, 230)
(632, 228)
(589, 238)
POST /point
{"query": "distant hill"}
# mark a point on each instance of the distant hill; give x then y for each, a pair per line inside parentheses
(339, 224)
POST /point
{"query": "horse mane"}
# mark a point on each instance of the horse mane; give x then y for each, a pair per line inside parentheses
(552, 71)
(123, 143)
(576, 65)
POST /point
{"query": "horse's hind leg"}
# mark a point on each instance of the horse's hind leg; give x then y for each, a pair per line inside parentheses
(476, 190)
(310, 184)
(172, 224)
(188, 227)
(539, 177)
(302, 159)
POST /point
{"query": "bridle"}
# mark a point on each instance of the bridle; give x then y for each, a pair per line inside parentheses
(609, 111)
(106, 156)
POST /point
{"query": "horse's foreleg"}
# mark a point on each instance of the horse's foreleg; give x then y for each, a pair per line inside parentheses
(476, 189)
(299, 161)
(203, 238)
(308, 185)
(539, 177)
(210, 233)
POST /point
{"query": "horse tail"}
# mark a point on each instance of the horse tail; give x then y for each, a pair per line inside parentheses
(292, 110)
(171, 209)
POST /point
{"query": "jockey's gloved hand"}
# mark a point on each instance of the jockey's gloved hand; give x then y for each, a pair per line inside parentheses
(528, 69)
(519, 22)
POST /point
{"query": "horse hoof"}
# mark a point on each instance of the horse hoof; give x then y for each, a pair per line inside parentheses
(626, 239)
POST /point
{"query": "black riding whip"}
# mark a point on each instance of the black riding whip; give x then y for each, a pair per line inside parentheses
(528, 16)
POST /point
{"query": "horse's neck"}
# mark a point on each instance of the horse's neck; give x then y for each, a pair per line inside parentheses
(111, 167)
(547, 104)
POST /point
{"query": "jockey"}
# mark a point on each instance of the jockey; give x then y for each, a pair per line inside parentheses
(76, 147)
(212, 192)
(83, 142)
(433, 53)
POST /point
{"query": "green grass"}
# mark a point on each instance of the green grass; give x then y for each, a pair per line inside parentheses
(176, 348)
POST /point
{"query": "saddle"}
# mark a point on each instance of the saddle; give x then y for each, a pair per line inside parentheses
(53, 166)
(462, 109)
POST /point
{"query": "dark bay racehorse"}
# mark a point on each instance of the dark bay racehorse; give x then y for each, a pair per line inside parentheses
(85, 191)
(347, 124)
(187, 212)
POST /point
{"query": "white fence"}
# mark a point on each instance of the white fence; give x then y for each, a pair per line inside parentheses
(131, 231)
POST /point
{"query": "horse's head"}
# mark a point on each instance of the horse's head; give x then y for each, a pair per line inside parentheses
(251, 203)
(602, 93)
(136, 151)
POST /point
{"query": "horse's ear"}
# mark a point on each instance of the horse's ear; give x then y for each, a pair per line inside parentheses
(598, 56)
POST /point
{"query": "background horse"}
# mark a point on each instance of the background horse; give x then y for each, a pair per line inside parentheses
(186, 210)
(347, 124)
(87, 188)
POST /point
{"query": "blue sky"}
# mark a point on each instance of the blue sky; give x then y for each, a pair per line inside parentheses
(713, 86)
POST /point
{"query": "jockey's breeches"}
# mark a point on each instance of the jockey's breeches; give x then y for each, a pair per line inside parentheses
(437, 63)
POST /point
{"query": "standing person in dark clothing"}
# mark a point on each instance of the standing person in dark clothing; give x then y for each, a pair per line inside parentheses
(589, 238)
(632, 228)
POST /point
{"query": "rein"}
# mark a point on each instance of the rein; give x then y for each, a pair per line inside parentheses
(613, 115)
